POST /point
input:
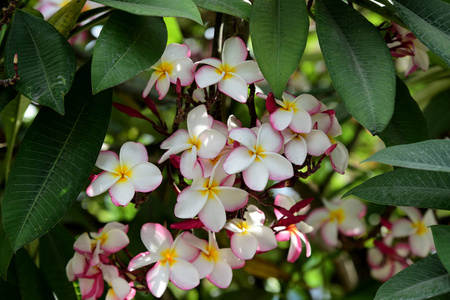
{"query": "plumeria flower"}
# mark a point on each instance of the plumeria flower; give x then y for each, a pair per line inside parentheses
(417, 230)
(209, 198)
(198, 140)
(294, 112)
(125, 174)
(296, 232)
(338, 215)
(233, 73)
(174, 64)
(171, 258)
(257, 157)
(120, 289)
(249, 235)
(385, 261)
(92, 284)
(213, 263)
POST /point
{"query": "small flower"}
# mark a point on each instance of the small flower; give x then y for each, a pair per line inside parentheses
(171, 258)
(232, 74)
(125, 174)
(385, 261)
(174, 64)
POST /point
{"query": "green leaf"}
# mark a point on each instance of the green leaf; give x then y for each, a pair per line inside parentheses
(46, 62)
(279, 29)
(5, 253)
(437, 112)
(66, 17)
(359, 63)
(408, 124)
(441, 236)
(237, 8)
(128, 44)
(407, 187)
(432, 155)
(7, 94)
(54, 162)
(428, 20)
(159, 8)
(421, 280)
(55, 251)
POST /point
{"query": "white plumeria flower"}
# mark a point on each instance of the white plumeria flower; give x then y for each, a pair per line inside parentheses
(125, 174)
(198, 140)
(209, 198)
(257, 157)
(172, 260)
(295, 112)
(233, 73)
(338, 215)
(250, 235)
(174, 64)
(120, 289)
(417, 229)
(213, 263)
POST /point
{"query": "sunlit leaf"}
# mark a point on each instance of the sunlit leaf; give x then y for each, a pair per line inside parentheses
(66, 17)
(237, 8)
(359, 63)
(441, 236)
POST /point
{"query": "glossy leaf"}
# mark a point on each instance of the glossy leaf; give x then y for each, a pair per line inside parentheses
(238, 8)
(279, 29)
(408, 124)
(66, 17)
(127, 45)
(160, 8)
(428, 20)
(46, 61)
(437, 112)
(359, 63)
(54, 162)
(422, 280)
(441, 236)
(432, 155)
(407, 187)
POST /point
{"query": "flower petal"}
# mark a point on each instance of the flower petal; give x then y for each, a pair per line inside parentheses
(318, 142)
(184, 275)
(234, 86)
(182, 69)
(115, 241)
(351, 226)
(265, 236)
(317, 217)
(141, 260)
(180, 137)
(185, 250)
(162, 85)
(354, 207)
(214, 62)
(420, 245)
(145, 177)
(402, 228)
(339, 158)
(281, 118)
(174, 51)
(244, 136)
(232, 198)
(269, 139)
(234, 51)
(244, 245)
(238, 160)
(102, 183)
(131, 154)
(232, 260)
(308, 102)
(278, 166)
(83, 244)
(122, 192)
(121, 287)
(212, 142)
(221, 275)
(189, 203)
(213, 215)
(330, 234)
(188, 161)
(204, 265)
(412, 212)
(301, 122)
(256, 175)
(158, 279)
(249, 71)
(207, 75)
(295, 248)
(153, 78)
(198, 121)
(296, 150)
(155, 236)
(108, 161)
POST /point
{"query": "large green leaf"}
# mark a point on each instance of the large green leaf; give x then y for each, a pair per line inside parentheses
(432, 155)
(128, 44)
(46, 61)
(160, 8)
(7, 94)
(54, 162)
(428, 20)
(237, 8)
(408, 124)
(66, 17)
(55, 250)
(359, 63)
(422, 280)
(437, 112)
(5, 253)
(441, 236)
(279, 29)
(407, 187)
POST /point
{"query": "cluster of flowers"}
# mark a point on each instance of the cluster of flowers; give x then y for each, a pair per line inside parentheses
(91, 264)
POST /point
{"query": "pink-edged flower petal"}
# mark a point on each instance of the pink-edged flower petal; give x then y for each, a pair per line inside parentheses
(238, 160)
(281, 118)
(114, 225)
(269, 139)
(249, 71)
(188, 161)
(295, 248)
(213, 215)
(189, 203)
(174, 51)
(384, 272)
(256, 175)
(79, 265)
(185, 250)
(244, 136)
(174, 150)
(234, 51)
(354, 207)
(204, 265)
(232, 260)
(131, 154)
(181, 136)
(317, 217)
(318, 142)
(198, 121)
(254, 215)
(283, 236)
(420, 245)
(102, 183)
(305, 240)
(234, 86)
(322, 121)
(145, 177)
(162, 85)
(232, 198)
(89, 286)
(412, 212)
(184, 275)
(116, 240)
(122, 192)
(212, 142)
(83, 244)
(301, 122)
(308, 102)
(121, 287)
(296, 150)
(278, 166)
(141, 260)
(402, 228)
(108, 161)
(215, 62)
(244, 245)
(351, 226)
(221, 275)
(153, 78)
(207, 75)
(339, 158)
(265, 236)
(182, 69)
(158, 279)
(155, 236)
(329, 234)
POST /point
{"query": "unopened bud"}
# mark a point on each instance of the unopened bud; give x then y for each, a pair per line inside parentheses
(16, 59)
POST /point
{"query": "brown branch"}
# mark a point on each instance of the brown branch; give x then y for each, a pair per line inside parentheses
(7, 12)
(16, 77)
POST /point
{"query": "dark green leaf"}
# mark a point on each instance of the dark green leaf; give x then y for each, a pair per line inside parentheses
(55, 250)
(128, 44)
(359, 63)
(31, 282)
(7, 94)
(428, 20)
(159, 8)
(46, 61)
(422, 280)
(441, 236)
(54, 162)
(406, 187)
(437, 112)
(237, 8)
(432, 155)
(279, 29)
(408, 124)
(66, 17)
(5, 253)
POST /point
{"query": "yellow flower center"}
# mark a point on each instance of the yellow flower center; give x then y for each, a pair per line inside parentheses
(169, 256)
(420, 227)
(213, 253)
(208, 189)
(259, 152)
(337, 215)
(289, 105)
(195, 142)
(163, 68)
(242, 225)
(124, 172)
(227, 69)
